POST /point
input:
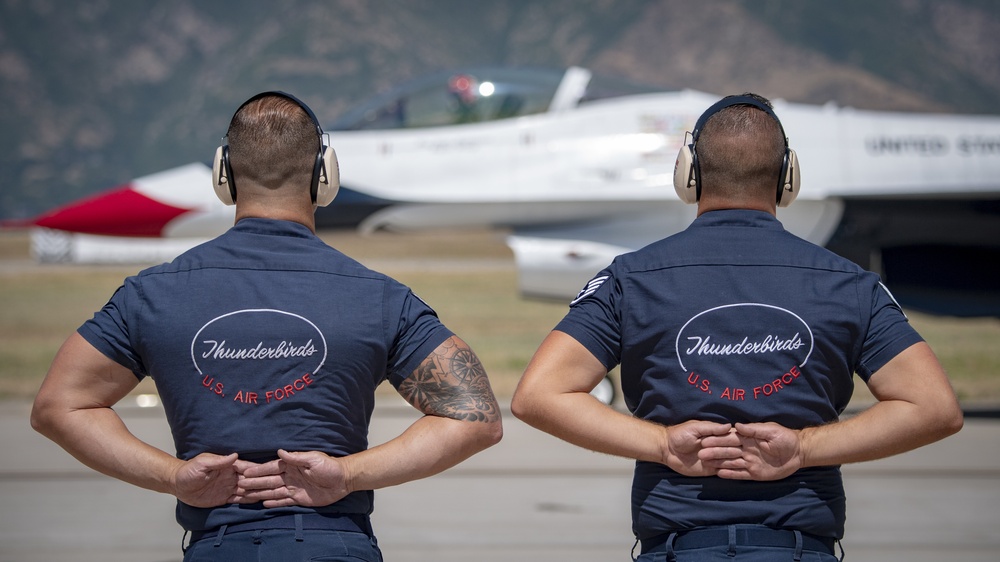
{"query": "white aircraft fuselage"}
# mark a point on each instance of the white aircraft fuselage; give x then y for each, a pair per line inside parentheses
(583, 182)
(579, 180)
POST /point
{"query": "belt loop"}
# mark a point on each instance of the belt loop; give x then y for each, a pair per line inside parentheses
(218, 537)
(797, 556)
(732, 541)
(299, 537)
(671, 555)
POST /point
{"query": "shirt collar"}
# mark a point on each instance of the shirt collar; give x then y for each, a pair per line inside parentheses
(252, 225)
(738, 217)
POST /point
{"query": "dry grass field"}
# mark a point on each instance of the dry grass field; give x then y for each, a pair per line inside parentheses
(468, 277)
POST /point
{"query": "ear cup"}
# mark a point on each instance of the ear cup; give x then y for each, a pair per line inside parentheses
(788, 189)
(328, 179)
(685, 176)
(221, 178)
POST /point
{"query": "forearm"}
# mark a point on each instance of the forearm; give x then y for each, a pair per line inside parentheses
(98, 438)
(73, 408)
(430, 445)
(581, 419)
(554, 396)
(887, 428)
(461, 418)
(916, 406)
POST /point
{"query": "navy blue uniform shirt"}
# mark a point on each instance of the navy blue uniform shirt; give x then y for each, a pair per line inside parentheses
(737, 320)
(266, 338)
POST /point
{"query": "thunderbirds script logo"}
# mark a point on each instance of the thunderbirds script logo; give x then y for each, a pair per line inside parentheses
(258, 356)
(744, 351)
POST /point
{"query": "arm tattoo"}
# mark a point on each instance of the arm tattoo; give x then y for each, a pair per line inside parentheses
(452, 383)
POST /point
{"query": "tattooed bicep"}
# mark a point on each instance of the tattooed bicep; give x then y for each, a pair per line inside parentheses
(452, 382)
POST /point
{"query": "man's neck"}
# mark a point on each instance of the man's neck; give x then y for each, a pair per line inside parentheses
(707, 204)
(300, 216)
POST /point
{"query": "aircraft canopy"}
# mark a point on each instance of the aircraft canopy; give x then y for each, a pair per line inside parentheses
(477, 96)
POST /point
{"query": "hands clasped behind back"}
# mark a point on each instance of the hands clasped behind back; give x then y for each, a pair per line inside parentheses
(762, 451)
(310, 478)
(756, 451)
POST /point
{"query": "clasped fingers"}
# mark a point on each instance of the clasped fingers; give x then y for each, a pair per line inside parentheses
(253, 470)
(268, 482)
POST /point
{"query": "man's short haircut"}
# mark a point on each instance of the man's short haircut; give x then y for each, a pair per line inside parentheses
(740, 152)
(273, 142)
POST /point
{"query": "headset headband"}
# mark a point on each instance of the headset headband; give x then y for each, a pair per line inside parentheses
(289, 97)
(730, 101)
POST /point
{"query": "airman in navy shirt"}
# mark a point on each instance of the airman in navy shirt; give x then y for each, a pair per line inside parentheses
(266, 346)
(737, 344)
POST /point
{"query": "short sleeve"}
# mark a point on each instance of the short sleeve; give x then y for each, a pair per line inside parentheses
(889, 333)
(419, 333)
(594, 318)
(108, 331)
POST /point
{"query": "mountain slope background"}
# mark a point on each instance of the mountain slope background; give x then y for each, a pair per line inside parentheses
(97, 92)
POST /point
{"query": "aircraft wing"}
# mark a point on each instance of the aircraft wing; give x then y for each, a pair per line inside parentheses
(556, 261)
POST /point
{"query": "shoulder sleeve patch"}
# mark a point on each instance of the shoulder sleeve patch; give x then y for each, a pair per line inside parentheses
(590, 288)
(894, 301)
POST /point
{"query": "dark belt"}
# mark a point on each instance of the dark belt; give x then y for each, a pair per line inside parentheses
(306, 522)
(745, 536)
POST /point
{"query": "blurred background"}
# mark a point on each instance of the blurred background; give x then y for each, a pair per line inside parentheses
(96, 92)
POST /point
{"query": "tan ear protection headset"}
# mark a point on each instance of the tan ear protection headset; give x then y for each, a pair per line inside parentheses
(687, 181)
(326, 171)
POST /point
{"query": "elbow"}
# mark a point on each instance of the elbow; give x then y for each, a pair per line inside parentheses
(520, 408)
(957, 426)
(480, 436)
(491, 430)
(41, 417)
(482, 431)
(525, 403)
(37, 421)
(953, 422)
(531, 407)
(494, 434)
(945, 421)
(516, 408)
(51, 415)
(950, 418)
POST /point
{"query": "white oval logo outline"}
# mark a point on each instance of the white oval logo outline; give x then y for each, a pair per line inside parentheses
(194, 340)
(677, 342)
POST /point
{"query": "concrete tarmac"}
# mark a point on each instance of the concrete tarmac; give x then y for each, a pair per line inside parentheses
(532, 497)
